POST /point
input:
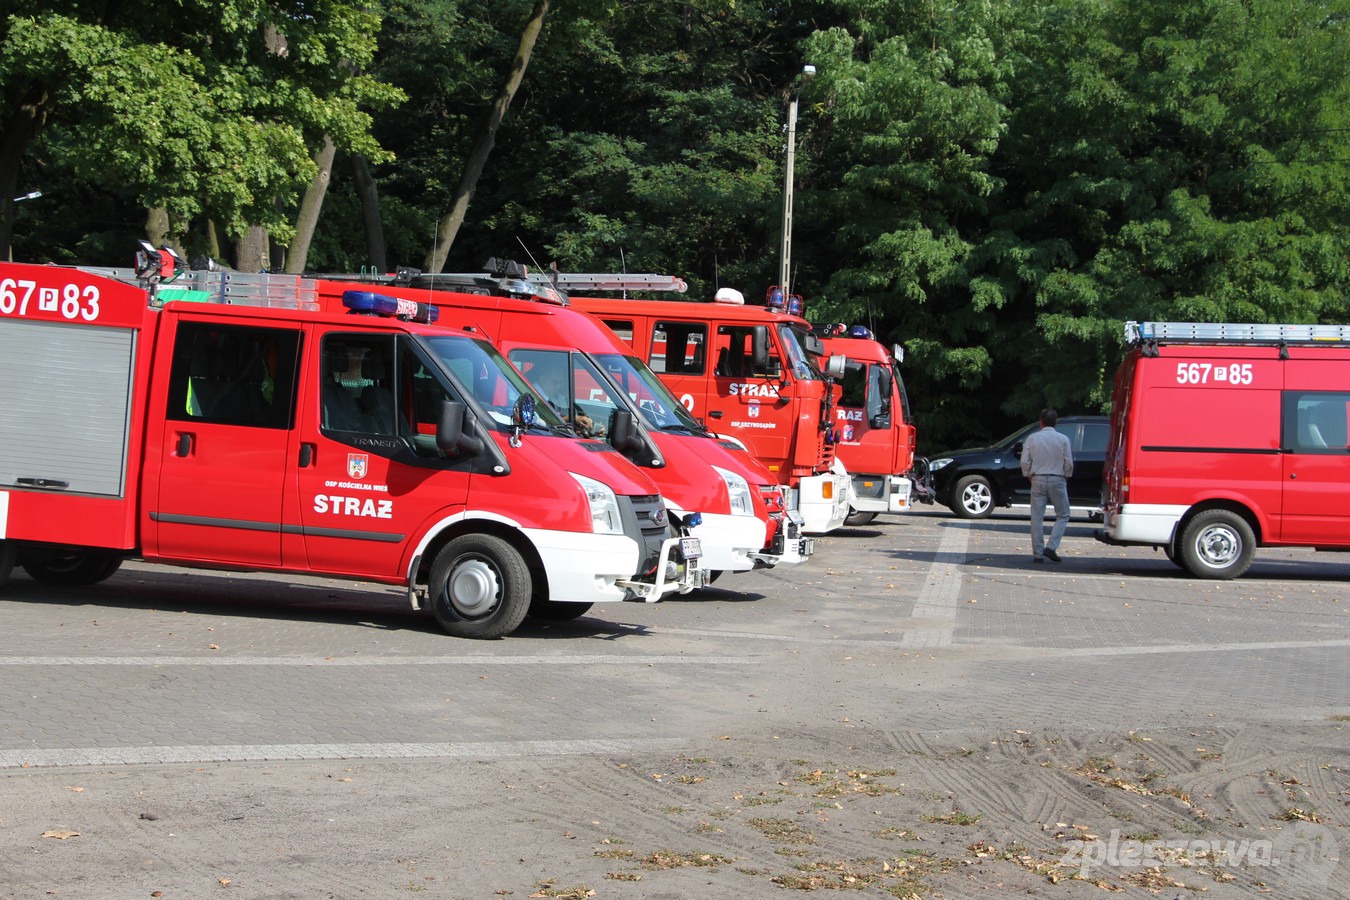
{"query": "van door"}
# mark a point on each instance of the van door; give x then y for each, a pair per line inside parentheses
(370, 477)
(223, 448)
(1316, 442)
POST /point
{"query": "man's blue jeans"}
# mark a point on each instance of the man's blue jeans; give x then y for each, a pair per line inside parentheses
(1052, 489)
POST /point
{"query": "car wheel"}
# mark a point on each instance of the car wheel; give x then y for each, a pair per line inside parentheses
(72, 569)
(856, 518)
(1217, 544)
(973, 497)
(480, 587)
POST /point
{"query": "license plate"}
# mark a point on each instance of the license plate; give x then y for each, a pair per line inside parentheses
(690, 548)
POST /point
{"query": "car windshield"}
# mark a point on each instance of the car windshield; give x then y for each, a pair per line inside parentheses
(658, 406)
(799, 360)
(488, 377)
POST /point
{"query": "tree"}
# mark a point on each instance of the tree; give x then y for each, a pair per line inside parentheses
(211, 119)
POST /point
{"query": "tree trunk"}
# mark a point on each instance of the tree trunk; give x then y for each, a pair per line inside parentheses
(487, 137)
(297, 255)
(369, 196)
(252, 252)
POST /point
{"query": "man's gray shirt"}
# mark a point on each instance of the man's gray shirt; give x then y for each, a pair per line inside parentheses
(1047, 452)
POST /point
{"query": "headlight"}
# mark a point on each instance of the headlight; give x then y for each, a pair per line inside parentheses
(605, 517)
(739, 491)
(935, 464)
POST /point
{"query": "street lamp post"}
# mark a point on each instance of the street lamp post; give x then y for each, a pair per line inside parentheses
(784, 272)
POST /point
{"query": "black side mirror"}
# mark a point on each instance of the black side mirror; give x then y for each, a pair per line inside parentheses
(454, 430)
(759, 348)
(623, 432)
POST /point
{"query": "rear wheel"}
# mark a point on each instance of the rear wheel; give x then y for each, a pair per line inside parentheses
(480, 587)
(856, 518)
(1217, 544)
(72, 569)
(973, 497)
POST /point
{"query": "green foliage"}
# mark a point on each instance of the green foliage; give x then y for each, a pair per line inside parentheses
(996, 185)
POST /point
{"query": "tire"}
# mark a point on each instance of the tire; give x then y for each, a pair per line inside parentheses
(1217, 544)
(973, 497)
(75, 569)
(480, 587)
(7, 554)
(856, 518)
(558, 612)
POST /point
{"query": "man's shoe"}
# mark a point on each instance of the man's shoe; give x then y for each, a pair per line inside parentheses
(1051, 555)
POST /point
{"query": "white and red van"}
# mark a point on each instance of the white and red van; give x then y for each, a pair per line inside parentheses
(242, 428)
(1229, 437)
(743, 522)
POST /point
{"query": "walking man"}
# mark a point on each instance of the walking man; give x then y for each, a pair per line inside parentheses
(1047, 459)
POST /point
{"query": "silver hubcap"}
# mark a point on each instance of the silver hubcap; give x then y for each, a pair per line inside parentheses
(976, 498)
(473, 587)
(1218, 546)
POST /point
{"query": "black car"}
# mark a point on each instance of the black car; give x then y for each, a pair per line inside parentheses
(973, 482)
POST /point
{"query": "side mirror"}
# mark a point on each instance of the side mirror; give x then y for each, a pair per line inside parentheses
(836, 365)
(886, 383)
(759, 350)
(454, 430)
(813, 344)
(623, 433)
(1017, 449)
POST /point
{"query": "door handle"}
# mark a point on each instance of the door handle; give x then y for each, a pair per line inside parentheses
(306, 455)
(184, 444)
(715, 414)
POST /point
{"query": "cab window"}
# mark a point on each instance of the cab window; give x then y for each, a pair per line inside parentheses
(1317, 422)
(679, 348)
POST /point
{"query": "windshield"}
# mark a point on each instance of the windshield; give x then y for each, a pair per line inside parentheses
(798, 359)
(488, 377)
(658, 406)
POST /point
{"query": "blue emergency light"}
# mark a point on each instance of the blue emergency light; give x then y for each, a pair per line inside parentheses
(367, 303)
(796, 306)
(860, 331)
(774, 298)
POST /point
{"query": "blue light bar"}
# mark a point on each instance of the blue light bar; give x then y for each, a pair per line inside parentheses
(859, 331)
(372, 304)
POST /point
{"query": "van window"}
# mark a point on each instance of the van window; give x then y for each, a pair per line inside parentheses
(233, 375)
(1317, 422)
(356, 392)
(679, 348)
(622, 329)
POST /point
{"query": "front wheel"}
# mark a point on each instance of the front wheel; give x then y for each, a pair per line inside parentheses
(1217, 544)
(856, 518)
(973, 497)
(480, 587)
(74, 569)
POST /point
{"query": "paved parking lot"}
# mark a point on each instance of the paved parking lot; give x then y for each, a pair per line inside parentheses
(918, 710)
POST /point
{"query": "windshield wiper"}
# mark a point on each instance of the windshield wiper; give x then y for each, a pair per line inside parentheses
(687, 429)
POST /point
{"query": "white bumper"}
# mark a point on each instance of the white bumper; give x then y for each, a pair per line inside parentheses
(1142, 523)
(730, 543)
(895, 497)
(599, 568)
(823, 500)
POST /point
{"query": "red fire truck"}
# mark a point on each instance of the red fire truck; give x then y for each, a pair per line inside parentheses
(1229, 437)
(873, 425)
(589, 375)
(749, 372)
(260, 433)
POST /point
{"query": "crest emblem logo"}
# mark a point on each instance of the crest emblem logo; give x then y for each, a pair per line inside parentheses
(753, 410)
(357, 465)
